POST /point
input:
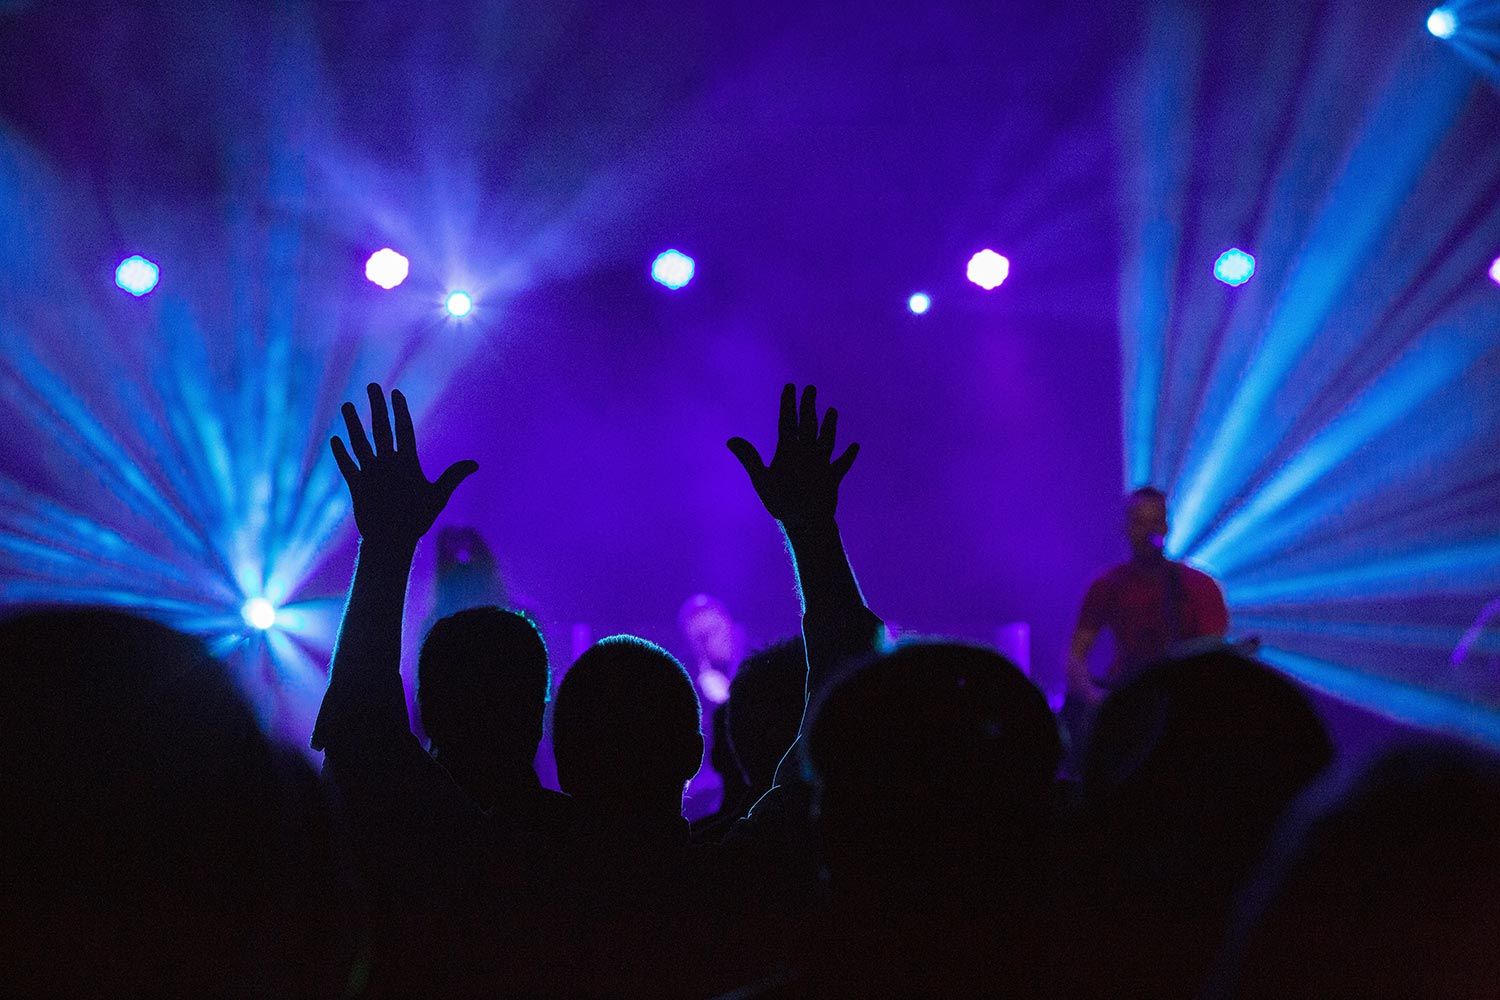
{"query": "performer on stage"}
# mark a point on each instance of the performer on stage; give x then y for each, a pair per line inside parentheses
(1150, 604)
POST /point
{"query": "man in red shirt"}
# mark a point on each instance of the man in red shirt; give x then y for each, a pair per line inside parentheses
(1150, 604)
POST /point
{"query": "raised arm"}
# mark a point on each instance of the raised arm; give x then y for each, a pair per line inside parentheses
(800, 489)
(394, 505)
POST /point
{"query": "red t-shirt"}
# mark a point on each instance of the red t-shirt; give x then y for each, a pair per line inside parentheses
(1151, 608)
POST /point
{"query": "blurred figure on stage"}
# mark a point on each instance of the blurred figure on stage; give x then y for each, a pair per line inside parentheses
(1151, 606)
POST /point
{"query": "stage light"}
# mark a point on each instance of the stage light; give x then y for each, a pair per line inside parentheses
(1495, 271)
(259, 613)
(137, 275)
(673, 269)
(1442, 22)
(1234, 267)
(459, 304)
(387, 268)
(988, 270)
(919, 303)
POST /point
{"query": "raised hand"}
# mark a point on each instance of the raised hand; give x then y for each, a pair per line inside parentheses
(801, 485)
(393, 500)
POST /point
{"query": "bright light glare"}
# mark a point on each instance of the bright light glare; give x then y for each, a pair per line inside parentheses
(387, 268)
(137, 275)
(458, 304)
(672, 268)
(1495, 271)
(1442, 22)
(1234, 267)
(259, 613)
(988, 270)
(919, 303)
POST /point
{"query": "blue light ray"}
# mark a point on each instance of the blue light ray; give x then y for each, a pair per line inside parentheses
(179, 462)
(1432, 364)
(1174, 48)
(1403, 703)
(1431, 638)
(1470, 568)
(1404, 128)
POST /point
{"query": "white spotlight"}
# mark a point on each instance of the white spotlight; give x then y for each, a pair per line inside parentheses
(259, 613)
(459, 304)
(1442, 22)
(387, 268)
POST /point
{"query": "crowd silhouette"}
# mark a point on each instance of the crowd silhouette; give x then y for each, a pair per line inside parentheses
(898, 819)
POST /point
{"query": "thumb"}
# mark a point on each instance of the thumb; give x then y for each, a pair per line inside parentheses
(749, 457)
(453, 475)
(843, 462)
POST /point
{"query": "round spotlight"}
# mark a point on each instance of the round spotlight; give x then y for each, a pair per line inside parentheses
(387, 268)
(259, 613)
(137, 275)
(1495, 271)
(1442, 22)
(1234, 267)
(459, 304)
(672, 268)
(988, 270)
(919, 303)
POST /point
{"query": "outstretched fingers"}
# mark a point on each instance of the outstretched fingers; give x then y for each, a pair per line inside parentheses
(828, 432)
(357, 440)
(380, 420)
(807, 422)
(406, 434)
(345, 463)
(786, 424)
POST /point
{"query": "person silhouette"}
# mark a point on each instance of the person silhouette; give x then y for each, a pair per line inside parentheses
(434, 860)
(1190, 766)
(483, 683)
(157, 843)
(1384, 884)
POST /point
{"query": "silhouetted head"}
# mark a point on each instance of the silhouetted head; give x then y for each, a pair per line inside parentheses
(1195, 760)
(933, 762)
(1386, 887)
(164, 845)
(1146, 522)
(766, 700)
(482, 686)
(625, 727)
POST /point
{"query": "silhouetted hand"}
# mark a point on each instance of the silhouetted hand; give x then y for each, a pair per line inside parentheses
(393, 501)
(801, 485)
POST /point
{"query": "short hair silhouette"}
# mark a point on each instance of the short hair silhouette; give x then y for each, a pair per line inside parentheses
(932, 760)
(766, 701)
(1215, 745)
(626, 724)
(166, 844)
(1147, 493)
(483, 681)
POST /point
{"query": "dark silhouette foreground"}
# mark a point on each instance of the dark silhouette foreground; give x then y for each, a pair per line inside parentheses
(899, 827)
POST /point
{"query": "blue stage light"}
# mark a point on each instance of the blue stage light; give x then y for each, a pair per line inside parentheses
(1234, 267)
(1442, 22)
(673, 269)
(259, 613)
(919, 303)
(988, 269)
(137, 275)
(459, 304)
(387, 268)
(1495, 271)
